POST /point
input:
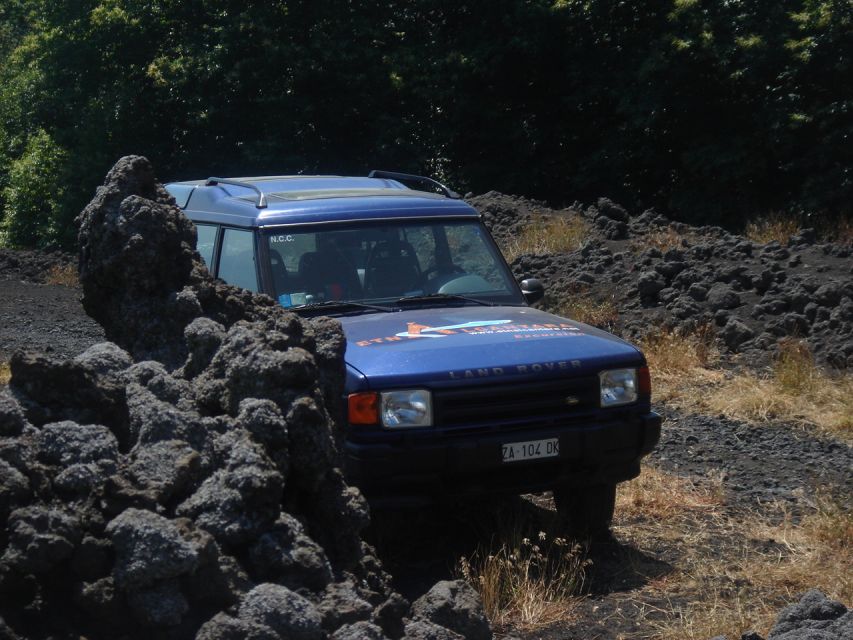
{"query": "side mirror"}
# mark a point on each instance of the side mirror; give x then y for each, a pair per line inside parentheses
(532, 290)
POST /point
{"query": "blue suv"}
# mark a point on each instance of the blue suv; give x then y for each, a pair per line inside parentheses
(455, 385)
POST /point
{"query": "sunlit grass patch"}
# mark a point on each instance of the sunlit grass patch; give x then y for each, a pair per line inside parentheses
(661, 239)
(64, 275)
(715, 611)
(693, 524)
(528, 583)
(660, 497)
(597, 311)
(795, 391)
(795, 371)
(676, 352)
(775, 226)
(761, 568)
(733, 569)
(5, 373)
(548, 235)
(832, 524)
(680, 363)
(780, 227)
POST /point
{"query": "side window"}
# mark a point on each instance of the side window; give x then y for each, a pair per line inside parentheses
(237, 260)
(470, 252)
(206, 241)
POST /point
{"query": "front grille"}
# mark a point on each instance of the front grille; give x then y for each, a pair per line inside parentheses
(516, 405)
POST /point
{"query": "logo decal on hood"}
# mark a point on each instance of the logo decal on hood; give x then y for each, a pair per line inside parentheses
(423, 331)
(478, 327)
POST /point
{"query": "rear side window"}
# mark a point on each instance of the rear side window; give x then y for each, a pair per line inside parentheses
(206, 241)
(237, 259)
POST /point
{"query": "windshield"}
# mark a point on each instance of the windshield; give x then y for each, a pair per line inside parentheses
(375, 263)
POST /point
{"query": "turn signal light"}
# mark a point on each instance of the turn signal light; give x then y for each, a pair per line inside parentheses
(363, 407)
(645, 382)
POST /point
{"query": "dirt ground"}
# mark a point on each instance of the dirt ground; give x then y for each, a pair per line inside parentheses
(734, 485)
(45, 318)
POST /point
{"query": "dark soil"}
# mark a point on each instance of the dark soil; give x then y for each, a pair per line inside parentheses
(34, 266)
(42, 317)
(758, 464)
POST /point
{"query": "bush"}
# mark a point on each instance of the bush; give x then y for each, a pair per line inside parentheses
(34, 196)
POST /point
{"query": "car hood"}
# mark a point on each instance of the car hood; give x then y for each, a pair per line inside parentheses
(442, 346)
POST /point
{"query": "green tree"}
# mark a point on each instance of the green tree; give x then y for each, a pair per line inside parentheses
(34, 195)
(709, 111)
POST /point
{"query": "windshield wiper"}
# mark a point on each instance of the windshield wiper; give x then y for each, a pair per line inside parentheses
(340, 305)
(438, 297)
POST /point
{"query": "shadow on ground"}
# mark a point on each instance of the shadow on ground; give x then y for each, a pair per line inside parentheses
(420, 547)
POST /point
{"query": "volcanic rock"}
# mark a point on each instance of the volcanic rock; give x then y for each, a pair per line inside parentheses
(671, 276)
(455, 605)
(183, 480)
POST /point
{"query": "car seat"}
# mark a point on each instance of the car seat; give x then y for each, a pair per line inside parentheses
(280, 278)
(391, 269)
(328, 273)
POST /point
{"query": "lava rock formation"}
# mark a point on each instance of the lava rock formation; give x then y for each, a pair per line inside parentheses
(183, 480)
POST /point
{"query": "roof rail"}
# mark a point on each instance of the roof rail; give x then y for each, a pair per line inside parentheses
(262, 199)
(393, 175)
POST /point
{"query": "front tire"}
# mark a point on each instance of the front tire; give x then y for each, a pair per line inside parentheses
(586, 512)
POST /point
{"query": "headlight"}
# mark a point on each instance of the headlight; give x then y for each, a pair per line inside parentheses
(618, 386)
(406, 408)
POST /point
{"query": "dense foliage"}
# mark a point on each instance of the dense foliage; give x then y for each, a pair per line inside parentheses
(710, 111)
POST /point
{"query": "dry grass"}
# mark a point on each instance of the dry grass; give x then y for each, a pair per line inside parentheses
(5, 373)
(732, 570)
(832, 524)
(735, 569)
(671, 352)
(63, 275)
(679, 363)
(728, 570)
(584, 307)
(776, 226)
(795, 390)
(662, 239)
(663, 497)
(780, 227)
(548, 235)
(843, 233)
(527, 583)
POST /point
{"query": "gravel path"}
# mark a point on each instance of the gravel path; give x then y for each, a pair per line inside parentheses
(760, 464)
(45, 318)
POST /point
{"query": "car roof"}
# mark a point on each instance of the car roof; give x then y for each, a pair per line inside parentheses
(264, 201)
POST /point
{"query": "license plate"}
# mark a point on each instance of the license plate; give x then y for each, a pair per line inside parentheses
(518, 451)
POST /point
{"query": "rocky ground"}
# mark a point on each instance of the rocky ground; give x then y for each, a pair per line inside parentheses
(144, 518)
(661, 273)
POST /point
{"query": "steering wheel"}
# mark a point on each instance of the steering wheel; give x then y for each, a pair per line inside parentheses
(425, 274)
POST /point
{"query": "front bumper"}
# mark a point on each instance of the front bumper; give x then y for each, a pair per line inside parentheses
(426, 470)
